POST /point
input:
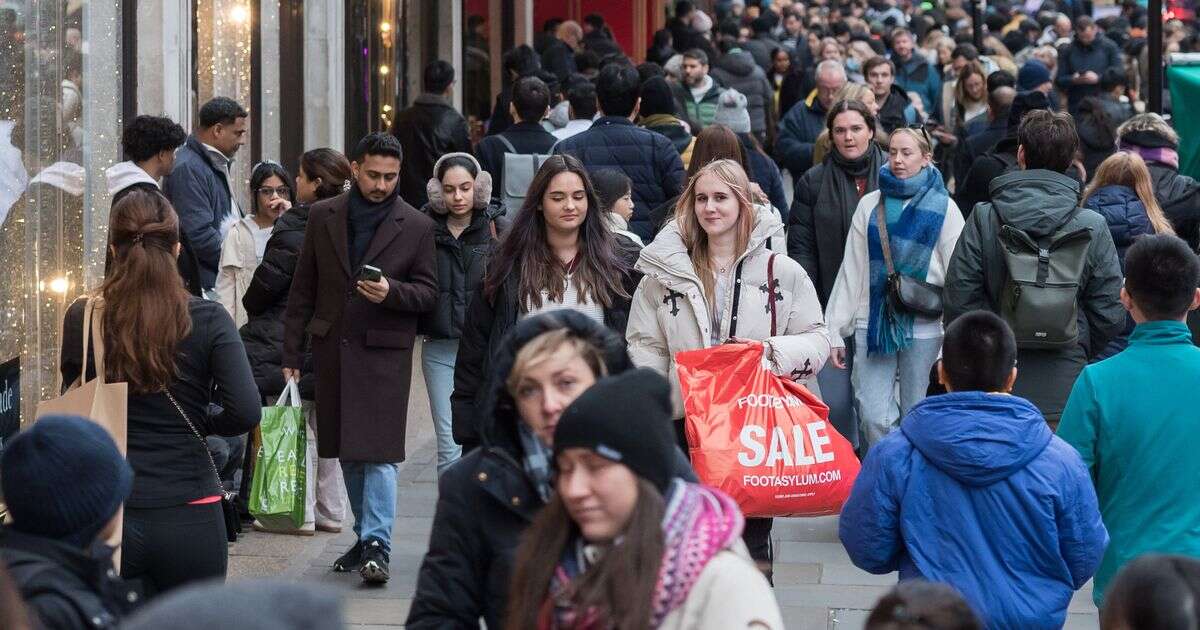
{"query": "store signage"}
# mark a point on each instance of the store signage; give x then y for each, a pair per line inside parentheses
(10, 400)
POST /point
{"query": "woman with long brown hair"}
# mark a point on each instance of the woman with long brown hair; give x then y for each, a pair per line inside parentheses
(702, 282)
(623, 542)
(174, 351)
(558, 253)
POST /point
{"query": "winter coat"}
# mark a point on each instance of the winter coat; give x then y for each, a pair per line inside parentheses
(1133, 419)
(1078, 57)
(200, 194)
(918, 75)
(729, 594)
(897, 111)
(976, 146)
(1097, 138)
(558, 59)
(123, 177)
(791, 91)
(649, 159)
(798, 133)
(759, 47)
(362, 351)
(1125, 215)
(239, 259)
(671, 314)
(64, 587)
(1038, 202)
(737, 70)
(460, 266)
(700, 113)
(485, 329)
(975, 187)
(427, 130)
(974, 491)
(675, 131)
(486, 500)
(1179, 196)
(765, 173)
(265, 301)
(528, 138)
(600, 41)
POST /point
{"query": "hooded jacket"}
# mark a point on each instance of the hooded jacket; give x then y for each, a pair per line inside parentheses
(700, 112)
(427, 130)
(976, 492)
(798, 133)
(897, 111)
(1038, 202)
(737, 70)
(1125, 215)
(918, 75)
(670, 312)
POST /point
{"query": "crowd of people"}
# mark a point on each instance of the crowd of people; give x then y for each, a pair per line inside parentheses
(985, 269)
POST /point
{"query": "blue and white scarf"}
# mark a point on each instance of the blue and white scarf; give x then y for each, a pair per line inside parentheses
(913, 232)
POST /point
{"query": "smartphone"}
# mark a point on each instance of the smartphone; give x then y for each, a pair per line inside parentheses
(369, 273)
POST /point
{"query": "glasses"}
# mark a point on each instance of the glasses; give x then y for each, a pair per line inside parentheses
(267, 191)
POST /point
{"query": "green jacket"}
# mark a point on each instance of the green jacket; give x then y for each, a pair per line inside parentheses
(699, 113)
(1134, 418)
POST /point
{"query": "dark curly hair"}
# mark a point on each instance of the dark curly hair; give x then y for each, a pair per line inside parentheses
(263, 171)
(147, 136)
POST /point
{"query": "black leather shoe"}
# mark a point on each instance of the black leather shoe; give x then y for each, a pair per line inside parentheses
(351, 560)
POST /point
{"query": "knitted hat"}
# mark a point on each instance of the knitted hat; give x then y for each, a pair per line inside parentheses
(731, 111)
(64, 478)
(1031, 75)
(657, 98)
(625, 418)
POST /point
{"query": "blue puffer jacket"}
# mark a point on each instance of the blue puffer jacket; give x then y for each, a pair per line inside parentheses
(798, 133)
(648, 158)
(918, 75)
(975, 491)
(1125, 215)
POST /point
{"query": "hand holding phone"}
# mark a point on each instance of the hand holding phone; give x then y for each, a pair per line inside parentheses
(369, 273)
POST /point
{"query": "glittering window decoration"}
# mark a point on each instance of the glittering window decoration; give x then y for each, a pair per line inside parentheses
(223, 29)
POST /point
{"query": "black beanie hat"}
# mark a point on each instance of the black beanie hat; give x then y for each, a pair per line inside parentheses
(656, 97)
(625, 418)
(1024, 103)
(64, 478)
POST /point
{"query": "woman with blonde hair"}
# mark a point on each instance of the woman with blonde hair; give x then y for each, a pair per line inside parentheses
(908, 227)
(1122, 192)
(708, 279)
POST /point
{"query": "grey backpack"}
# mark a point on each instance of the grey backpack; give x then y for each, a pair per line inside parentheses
(1040, 295)
(519, 169)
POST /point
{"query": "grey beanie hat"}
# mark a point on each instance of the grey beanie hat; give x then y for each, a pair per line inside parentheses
(247, 605)
(732, 112)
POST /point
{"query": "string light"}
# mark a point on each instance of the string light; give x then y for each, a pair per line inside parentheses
(240, 14)
(385, 27)
(383, 69)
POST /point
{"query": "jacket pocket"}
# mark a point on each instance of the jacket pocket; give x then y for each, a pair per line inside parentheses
(394, 339)
(317, 328)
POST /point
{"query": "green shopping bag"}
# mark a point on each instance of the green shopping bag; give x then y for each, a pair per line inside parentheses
(278, 490)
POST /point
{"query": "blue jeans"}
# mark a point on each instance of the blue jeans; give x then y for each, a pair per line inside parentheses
(838, 395)
(874, 380)
(437, 361)
(371, 488)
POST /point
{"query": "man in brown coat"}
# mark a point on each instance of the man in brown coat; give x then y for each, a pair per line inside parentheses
(362, 332)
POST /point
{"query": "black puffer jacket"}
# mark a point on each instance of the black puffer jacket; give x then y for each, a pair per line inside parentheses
(486, 500)
(460, 264)
(265, 302)
(484, 330)
(65, 588)
(427, 130)
(1179, 196)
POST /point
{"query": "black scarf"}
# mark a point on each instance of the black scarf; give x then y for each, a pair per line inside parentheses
(838, 189)
(362, 220)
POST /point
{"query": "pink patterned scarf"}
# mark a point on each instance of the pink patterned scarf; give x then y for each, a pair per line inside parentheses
(698, 524)
(1162, 155)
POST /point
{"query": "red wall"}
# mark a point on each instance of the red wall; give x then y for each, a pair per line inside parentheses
(618, 14)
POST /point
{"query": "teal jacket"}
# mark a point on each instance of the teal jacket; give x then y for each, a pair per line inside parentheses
(1134, 419)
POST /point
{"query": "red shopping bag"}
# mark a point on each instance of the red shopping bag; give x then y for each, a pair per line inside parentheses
(762, 439)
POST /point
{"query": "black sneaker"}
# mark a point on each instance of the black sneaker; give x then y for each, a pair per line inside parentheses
(351, 560)
(374, 568)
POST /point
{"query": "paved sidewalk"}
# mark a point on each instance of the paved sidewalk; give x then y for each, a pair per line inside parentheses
(815, 583)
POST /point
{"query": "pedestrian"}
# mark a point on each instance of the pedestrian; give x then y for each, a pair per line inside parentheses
(657, 113)
(366, 272)
(732, 114)
(914, 73)
(1084, 60)
(323, 174)
(526, 136)
(1157, 143)
(895, 108)
(1113, 84)
(581, 105)
(150, 143)
(174, 351)
(466, 224)
(921, 605)
(1154, 592)
(1155, 376)
(894, 344)
(1000, 159)
(662, 48)
(64, 482)
(1000, 100)
(649, 159)
(615, 193)
(697, 93)
(488, 499)
(737, 70)
(246, 242)
(1038, 204)
(429, 129)
(598, 37)
(559, 56)
(819, 224)
(851, 92)
(520, 62)
(557, 254)
(786, 77)
(623, 542)
(200, 186)
(1097, 134)
(703, 285)
(800, 126)
(975, 491)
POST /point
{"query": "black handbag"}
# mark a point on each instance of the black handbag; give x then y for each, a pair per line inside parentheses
(905, 293)
(233, 523)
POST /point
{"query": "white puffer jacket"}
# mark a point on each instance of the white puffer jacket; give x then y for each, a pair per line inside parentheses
(670, 312)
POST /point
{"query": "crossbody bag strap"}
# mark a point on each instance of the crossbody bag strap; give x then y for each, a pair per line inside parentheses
(96, 306)
(202, 441)
(884, 241)
(771, 290)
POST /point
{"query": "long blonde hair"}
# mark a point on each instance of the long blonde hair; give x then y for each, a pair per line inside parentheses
(1124, 168)
(695, 239)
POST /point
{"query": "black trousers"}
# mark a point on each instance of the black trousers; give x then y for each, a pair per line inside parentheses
(164, 548)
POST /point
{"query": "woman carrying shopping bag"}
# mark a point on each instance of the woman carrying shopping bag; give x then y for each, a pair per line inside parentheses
(707, 281)
(908, 228)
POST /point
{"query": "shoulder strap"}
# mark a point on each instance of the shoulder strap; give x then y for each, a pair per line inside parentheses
(201, 440)
(771, 290)
(884, 241)
(508, 145)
